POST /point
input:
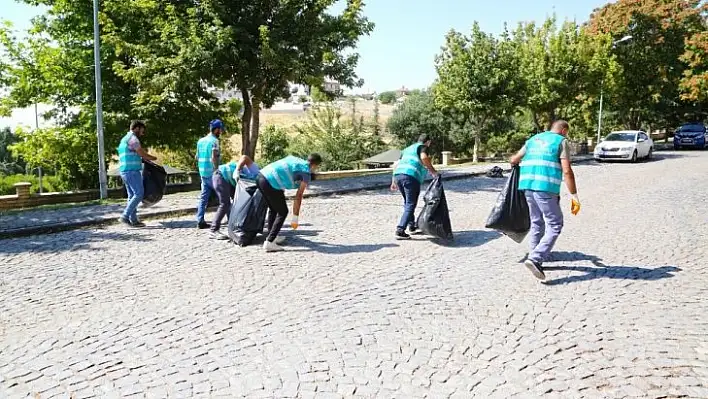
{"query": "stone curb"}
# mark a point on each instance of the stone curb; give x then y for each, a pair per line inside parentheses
(65, 226)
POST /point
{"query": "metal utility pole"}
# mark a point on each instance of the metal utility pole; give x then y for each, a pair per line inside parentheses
(102, 179)
(602, 88)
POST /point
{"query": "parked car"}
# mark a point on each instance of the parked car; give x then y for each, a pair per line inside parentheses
(627, 145)
(690, 135)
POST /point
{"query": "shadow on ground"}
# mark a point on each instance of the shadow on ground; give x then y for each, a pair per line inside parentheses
(68, 241)
(467, 239)
(599, 270)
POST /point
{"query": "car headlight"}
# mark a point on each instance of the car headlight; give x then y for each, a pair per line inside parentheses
(625, 148)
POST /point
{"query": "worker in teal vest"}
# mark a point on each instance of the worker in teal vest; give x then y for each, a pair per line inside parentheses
(208, 159)
(131, 155)
(545, 163)
(224, 183)
(408, 176)
(289, 173)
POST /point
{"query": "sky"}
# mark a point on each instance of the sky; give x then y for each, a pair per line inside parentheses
(408, 34)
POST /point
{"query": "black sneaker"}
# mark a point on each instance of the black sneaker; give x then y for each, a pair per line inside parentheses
(137, 224)
(413, 230)
(401, 235)
(535, 268)
(125, 221)
(203, 225)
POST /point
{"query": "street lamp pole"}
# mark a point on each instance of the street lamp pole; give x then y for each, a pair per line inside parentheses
(102, 179)
(602, 89)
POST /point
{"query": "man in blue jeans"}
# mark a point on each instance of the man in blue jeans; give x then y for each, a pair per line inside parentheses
(545, 162)
(130, 155)
(408, 176)
(208, 157)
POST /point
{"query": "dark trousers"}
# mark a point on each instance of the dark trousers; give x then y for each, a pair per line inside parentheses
(410, 189)
(276, 204)
(224, 191)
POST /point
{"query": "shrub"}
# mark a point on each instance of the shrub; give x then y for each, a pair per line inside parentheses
(49, 184)
(274, 144)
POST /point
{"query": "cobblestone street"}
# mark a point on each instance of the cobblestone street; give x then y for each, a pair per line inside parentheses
(347, 311)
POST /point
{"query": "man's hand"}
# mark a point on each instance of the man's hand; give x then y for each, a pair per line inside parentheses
(574, 204)
(394, 186)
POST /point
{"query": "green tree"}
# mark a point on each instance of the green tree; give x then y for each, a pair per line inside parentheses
(563, 70)
(387, 97)
(477, 80)
(417, 115)
(9, 164)
(260, 48)
(69, 150)
(655, 63)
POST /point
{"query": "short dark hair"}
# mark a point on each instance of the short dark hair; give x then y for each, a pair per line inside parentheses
(560, 125)
(314, 158)
(424, 138)
(137, 124)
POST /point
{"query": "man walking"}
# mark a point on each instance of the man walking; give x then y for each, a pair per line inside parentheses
(208, 155)
(130, 155)
(408, 176)
(545, 163)
(288, 173)
(224, 183)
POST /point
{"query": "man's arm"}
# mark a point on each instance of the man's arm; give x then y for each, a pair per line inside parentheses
(298, 198)
(244, 161)
(425, 159)
(215, 157)
(144, 155)
(568, 174)
(516, 158)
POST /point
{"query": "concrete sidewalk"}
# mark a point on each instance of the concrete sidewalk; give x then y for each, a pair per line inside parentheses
(48, 221)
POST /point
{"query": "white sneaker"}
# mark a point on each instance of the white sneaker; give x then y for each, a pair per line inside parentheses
(272, 247)
(280, 240)
(217, 235)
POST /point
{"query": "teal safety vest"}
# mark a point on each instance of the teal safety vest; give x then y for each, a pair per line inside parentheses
(130, 161)
(227, 172)
(281, 174)
(540, 167)
(205, 146)
(410, 163)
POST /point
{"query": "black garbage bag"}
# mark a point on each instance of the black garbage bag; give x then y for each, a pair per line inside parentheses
(434, 219)
(154, 183)
(248, 213)
(510, 215)
(495, 172)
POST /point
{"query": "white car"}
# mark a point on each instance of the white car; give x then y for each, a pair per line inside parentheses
(626, 145)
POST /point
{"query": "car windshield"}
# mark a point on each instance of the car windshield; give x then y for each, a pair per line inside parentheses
(621, 137)
(692, 128)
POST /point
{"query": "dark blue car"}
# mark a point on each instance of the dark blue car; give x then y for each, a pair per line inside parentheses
(690, 135)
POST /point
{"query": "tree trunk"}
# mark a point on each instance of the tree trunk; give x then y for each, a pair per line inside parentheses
(246, 122)
(475, 149)
(536, 122)
(255, 127)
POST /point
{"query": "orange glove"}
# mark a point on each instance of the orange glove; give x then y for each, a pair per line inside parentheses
(294, 222)
(574, 205)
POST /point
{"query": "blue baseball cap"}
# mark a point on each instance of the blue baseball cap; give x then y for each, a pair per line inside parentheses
(216, 124)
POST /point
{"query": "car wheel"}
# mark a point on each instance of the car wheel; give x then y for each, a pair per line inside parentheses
(634, 156)
(650, 155)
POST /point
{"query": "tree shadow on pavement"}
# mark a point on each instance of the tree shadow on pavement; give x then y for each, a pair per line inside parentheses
(68, 241)
(600, 270)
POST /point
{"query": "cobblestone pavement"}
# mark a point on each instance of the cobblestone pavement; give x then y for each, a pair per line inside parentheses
(83, 215)
(348, 312)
